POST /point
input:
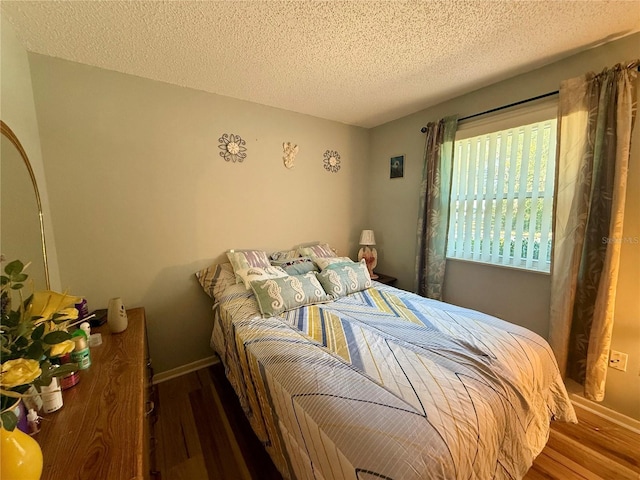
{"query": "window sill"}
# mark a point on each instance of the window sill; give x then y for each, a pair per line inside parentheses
(508, 267)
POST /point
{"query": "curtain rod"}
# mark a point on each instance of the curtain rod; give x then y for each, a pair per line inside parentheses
(514, 104)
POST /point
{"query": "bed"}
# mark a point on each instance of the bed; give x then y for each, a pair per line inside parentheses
(381, 383)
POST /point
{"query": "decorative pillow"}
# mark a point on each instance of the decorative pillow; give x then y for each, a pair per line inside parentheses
(341, 280)
(283, 255)
(277, 295)
(243, 259)
(247, 275)
(296, 266)
(216, 278)
(320, 250)
(324, 262)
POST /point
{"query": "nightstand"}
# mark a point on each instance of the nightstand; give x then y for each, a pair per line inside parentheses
(386, 279)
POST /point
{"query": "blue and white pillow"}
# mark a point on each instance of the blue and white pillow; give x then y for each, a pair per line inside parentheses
(342, 279)
(277, 295)
(248, 275)
(296, 266)
(324, 262)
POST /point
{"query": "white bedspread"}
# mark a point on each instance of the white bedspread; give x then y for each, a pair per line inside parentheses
(384, 384)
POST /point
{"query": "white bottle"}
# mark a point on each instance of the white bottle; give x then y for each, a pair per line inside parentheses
(117, 316)
(51, 396)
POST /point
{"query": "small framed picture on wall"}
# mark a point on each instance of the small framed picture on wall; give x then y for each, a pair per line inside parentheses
(396, 166)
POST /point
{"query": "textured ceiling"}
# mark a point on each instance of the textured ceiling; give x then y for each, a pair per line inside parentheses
(359, 62)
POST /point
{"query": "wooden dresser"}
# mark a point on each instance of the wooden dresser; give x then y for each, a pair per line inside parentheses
(103, 429)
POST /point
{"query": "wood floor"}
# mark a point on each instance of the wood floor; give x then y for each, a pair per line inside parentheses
(202, 434)
(593, 449)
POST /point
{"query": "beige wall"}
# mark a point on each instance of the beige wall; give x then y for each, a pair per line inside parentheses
(141, 198)
(519, 297)
(18, 111)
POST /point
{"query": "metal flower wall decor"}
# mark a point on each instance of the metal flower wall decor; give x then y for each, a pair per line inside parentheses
(331, 161)
(233, 147)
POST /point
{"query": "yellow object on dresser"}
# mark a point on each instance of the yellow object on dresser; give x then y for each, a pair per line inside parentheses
(21, 457)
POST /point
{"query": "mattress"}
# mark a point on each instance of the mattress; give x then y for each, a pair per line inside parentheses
(385, 384)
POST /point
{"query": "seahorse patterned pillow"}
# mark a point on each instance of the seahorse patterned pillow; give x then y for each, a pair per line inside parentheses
(247, 275)
(277, 295)
(243, 259)
(296, 266)
(343, 279)
(216, 278)
(324, 262)
(321, 250)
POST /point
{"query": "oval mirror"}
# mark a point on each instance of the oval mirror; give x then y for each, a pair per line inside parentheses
(21, 221)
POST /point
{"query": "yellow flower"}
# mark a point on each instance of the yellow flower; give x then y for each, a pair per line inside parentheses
(61, 348)
(47, 303)
(20, 371)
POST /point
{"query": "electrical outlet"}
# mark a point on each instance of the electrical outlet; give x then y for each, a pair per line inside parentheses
(618, 360)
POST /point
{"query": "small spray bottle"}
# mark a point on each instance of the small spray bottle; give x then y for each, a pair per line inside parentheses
(33, 422)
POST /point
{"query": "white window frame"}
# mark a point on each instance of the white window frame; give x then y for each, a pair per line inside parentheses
(474, 219)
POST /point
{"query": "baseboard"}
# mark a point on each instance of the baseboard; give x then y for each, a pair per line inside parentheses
(184, 369)
(577, 398)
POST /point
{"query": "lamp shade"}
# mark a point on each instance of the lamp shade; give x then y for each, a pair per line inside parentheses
(367, 237)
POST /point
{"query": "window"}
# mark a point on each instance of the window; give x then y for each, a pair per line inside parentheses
(502, 190)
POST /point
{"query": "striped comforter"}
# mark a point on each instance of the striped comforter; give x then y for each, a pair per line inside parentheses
(384, 384)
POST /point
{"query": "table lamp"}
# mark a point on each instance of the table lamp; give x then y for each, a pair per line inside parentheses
(368, 251)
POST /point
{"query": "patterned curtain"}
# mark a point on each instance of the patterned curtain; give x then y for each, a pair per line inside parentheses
(433, 219)
(596, 116)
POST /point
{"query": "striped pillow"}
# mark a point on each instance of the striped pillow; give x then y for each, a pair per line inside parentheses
(320, 250)
(216, 278)
(243, 259)
(282, 255)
